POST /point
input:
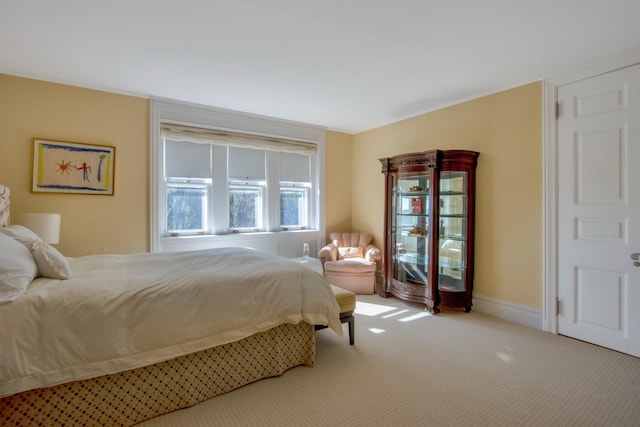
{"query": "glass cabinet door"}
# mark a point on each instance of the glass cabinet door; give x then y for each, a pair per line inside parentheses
(410, 208)
(453, 231)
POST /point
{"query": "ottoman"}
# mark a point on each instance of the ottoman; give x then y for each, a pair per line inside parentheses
(347, 302)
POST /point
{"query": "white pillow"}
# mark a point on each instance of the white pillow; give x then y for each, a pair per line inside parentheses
(21, 234)
(17, 269)
(51, 263)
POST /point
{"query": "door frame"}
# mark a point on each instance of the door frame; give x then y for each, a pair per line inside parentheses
(550, 170)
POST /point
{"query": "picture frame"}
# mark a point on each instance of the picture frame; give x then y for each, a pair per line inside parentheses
(73, 167)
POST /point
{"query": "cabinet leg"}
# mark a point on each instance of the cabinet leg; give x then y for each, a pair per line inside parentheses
(467, 309)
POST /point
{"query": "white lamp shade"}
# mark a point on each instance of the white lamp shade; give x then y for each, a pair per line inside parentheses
(45, 225)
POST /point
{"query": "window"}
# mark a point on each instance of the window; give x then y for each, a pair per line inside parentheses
(246, 206)
(295, 185)
(246, 172)
(294, 205)
(187, 172)
(187, 207)
(223, 178)
(189, 179)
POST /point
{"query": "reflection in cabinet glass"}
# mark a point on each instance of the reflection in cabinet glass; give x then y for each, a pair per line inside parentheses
(429, 227)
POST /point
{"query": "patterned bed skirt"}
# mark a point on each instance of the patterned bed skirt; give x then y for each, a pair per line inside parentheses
(131, 397)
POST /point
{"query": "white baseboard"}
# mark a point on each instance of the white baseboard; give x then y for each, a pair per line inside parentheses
(509, 311)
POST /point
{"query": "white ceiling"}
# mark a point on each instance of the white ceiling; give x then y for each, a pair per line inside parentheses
(345, 64)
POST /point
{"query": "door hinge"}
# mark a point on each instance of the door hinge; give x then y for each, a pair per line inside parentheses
(557, 112)
(558, 306)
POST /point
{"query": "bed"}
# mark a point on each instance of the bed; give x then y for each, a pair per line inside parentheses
(129, 337)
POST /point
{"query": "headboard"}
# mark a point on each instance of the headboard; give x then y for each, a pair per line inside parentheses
(4, 205)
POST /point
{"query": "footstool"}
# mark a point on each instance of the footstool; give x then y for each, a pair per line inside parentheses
(347, 302)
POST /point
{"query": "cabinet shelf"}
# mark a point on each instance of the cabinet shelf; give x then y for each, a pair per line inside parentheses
(411, 193)
(434, 265)
(456, 238)
(412, 258)
(444, 263)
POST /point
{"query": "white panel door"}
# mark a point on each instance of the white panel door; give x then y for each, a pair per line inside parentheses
(599, 210)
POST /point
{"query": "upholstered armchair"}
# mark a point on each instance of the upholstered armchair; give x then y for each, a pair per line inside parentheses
(350, 262)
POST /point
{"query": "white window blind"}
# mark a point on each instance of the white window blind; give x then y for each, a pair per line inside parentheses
(187, 160)
(214, 136)
(246, 164)
(294, 167)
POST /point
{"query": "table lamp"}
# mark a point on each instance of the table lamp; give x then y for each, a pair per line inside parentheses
(45, 225)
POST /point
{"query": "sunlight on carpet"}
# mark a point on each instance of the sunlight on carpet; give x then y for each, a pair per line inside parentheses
(410, 368)
(369, 309)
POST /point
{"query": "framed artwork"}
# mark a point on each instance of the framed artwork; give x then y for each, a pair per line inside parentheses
(72, 167)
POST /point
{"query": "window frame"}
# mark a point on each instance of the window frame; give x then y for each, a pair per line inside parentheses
(297, 187)
(204, 184)
(273, 239)
(260, 213)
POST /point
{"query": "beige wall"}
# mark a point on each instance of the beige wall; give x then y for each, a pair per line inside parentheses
(90, 223)
(120, 223)
(338, 181)
(506, 128)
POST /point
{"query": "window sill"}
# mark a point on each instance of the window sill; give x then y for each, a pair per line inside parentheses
(233, 234)
(284, 243)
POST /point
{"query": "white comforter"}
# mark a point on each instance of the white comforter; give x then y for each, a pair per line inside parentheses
(119, 312)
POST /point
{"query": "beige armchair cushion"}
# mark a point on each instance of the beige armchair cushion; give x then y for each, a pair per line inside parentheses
(351, 266)
(349, 252)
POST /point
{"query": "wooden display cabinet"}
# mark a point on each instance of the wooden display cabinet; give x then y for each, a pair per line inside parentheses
(429, 227)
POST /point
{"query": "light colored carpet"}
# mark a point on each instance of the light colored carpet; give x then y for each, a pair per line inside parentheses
(409, 368)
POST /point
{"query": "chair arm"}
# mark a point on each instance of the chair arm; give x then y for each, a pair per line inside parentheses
(328, 253)
(372, 254)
